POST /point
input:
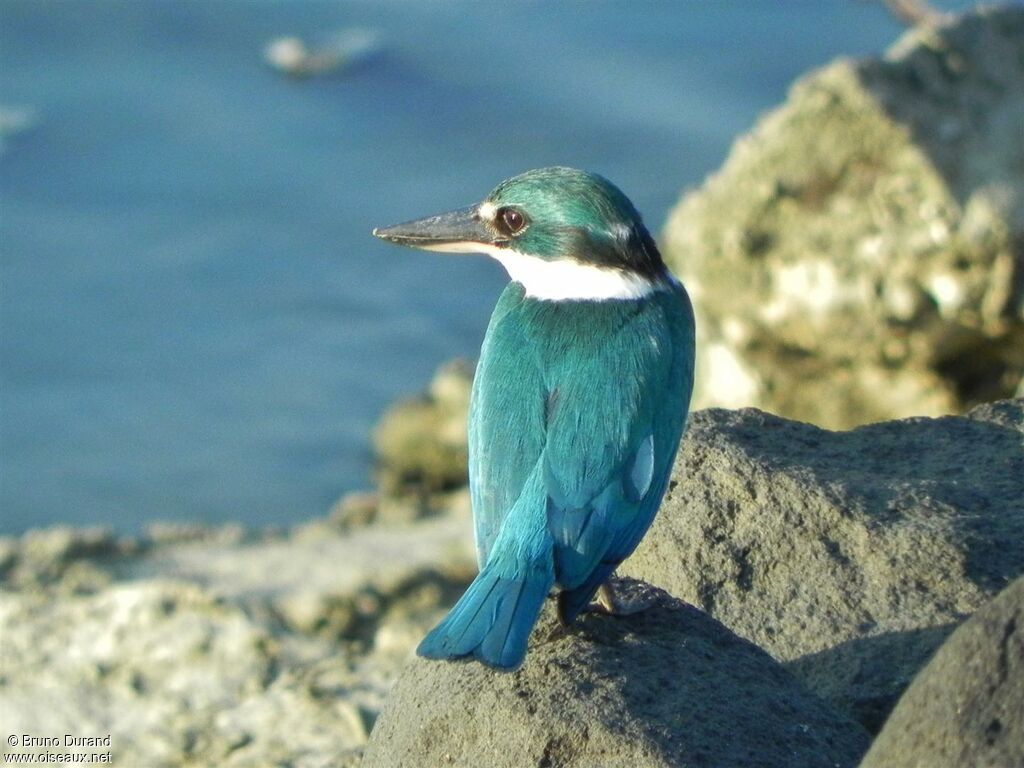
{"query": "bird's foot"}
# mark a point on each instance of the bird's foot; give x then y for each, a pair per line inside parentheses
(557, 632)
(612, 603)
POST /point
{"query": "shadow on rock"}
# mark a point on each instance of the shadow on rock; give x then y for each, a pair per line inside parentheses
(666, 687)
(860, 671)
(805, 541)
(966, 708)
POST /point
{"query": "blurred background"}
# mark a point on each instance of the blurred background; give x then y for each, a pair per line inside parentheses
(195, 323)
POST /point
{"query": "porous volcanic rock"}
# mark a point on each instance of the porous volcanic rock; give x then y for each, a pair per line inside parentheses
(849, 556)
(665, 687)
(860, 255)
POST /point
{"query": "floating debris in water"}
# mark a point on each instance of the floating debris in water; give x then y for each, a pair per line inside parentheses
(15, 120)
(292, 56)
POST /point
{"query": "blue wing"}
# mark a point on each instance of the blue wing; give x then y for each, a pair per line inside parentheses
(506, 419)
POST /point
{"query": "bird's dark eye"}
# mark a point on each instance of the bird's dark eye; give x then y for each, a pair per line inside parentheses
(511, 221)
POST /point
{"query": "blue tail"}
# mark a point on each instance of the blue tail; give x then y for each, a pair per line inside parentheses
(492, 620)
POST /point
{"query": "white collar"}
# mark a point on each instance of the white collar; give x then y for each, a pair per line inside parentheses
(560, 279)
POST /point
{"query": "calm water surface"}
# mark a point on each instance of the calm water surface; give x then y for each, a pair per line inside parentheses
(195, 323)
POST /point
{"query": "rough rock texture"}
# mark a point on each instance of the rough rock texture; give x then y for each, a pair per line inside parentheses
(966, 708)
(860, 255)
(66, 559)
(850, 556)
(420, 443)
(219, 647)
(170, 674)
(666, 687)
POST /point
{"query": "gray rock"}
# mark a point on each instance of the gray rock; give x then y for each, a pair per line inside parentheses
(665, 687)
(966, 708)
(850, 556)
(860, 255)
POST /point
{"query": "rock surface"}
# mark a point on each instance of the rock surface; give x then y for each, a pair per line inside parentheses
(860, 255)
(665, 687)
(219, 647)
(850, 556)
(966, 708)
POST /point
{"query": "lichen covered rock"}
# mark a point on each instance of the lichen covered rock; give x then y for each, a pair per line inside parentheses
(171, 674)
(219, 646)
(860, 255)
(420, 443)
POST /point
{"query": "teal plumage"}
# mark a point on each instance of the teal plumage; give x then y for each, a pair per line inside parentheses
(577, 409)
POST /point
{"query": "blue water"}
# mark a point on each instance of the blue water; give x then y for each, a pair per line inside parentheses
(195, 323)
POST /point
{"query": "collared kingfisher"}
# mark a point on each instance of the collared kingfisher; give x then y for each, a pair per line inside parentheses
(578, 404)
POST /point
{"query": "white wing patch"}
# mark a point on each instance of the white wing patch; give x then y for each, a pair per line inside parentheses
(642, 473)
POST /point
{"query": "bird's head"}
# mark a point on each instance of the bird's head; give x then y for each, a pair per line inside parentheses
(564, 234)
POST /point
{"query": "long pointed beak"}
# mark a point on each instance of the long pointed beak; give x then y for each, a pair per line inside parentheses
(458, 231)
